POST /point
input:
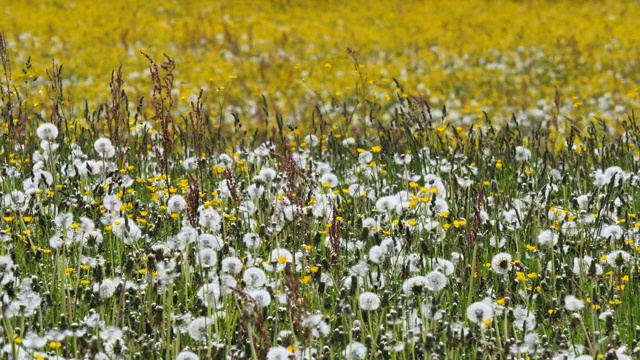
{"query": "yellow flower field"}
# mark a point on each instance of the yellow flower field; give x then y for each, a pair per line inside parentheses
(472, 56)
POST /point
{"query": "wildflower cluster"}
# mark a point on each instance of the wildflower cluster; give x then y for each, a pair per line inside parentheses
(383, 215)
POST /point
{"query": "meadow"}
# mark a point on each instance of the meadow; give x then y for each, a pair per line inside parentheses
(319, 180)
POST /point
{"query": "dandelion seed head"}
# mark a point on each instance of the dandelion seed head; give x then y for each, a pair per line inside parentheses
(105, 289)
(278, 353)
(104, 148)
(355, 351)
(187, 355)
(207, 258)
(197, 328)
(231, 265)
(618, 258)
(261, 297)
(209, 294)
(254, 277)
(387, 204)
(209, 241)
(436, 281)
(267, 175)
(176, 204)
(190, 163)
(548, 238)
(415, 285)
(111, 333)
(522, 154)
(572, 303)
(369, 301)
(251, 240)
(442, 265)
(47, 131)
(501, 263)
(479, 312)
(210, 218)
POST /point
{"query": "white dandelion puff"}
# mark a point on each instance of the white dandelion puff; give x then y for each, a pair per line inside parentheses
(479, 312)
(254, 277)
(198, 327)
(261, 297)
(501, 263)
(187, 355)
(47, 131)
(436, 281)
(355, 351)
(369, 301)
(176, 204)
(572, 303)
(104, 148)
(278, 353)
(231, 265)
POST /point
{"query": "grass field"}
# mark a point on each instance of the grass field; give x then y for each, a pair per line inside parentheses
(319, 180)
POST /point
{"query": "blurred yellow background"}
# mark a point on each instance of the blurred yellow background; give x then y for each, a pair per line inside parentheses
(496, 56)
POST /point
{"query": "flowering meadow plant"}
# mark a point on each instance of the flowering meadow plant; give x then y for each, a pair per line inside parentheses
(381, 201)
